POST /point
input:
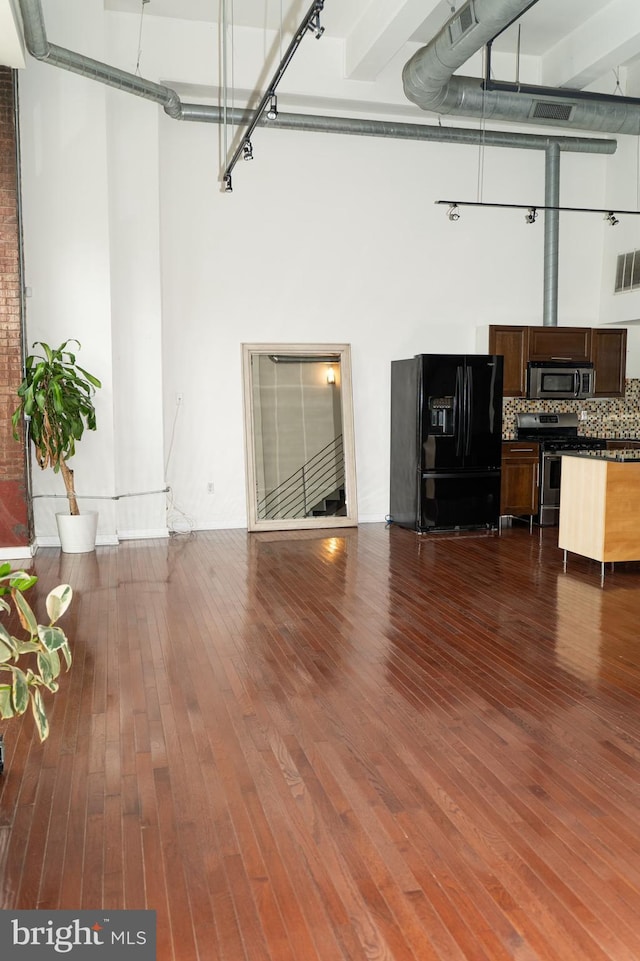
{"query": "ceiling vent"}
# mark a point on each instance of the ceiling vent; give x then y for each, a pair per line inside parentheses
(551, 110)
(460, 26)
(628, 271)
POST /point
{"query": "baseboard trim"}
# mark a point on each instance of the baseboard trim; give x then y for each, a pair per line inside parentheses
(102, 540)
(143, 535)
(16, 553)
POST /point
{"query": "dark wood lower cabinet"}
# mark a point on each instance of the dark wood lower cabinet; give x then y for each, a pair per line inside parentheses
(519, 483)
(623, 445)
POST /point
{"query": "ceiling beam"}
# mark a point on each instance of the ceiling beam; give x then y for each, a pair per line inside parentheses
(380, 33)
(604, 42)
(12, 49)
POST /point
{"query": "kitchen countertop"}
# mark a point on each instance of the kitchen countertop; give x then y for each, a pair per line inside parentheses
(616, 456)
(510, 436)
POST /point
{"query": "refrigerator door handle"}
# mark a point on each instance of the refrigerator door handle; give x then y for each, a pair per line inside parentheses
(468, 402)
(460, 411)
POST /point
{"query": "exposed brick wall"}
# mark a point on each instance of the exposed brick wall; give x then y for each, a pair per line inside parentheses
(13, 499)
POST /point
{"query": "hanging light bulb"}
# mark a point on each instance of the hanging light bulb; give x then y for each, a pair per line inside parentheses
(611, 218)
(453, 212)
(531, 216)
(247, 150)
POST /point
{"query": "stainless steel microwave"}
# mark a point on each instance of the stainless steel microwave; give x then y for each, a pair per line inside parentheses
(553, 381)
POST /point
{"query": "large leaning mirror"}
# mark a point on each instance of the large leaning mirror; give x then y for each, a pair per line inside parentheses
(299, 440)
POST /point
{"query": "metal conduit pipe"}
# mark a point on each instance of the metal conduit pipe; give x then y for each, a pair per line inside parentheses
(401, 131)
(551, 236)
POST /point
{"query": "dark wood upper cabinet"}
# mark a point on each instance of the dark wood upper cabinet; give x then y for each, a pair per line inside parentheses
(564, 344)
(605, 347)
(513, 344)
(609, 356)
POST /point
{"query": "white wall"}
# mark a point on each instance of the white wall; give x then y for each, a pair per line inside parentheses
(623, 193)
(326, 238)
(136, 316)
(66, 244)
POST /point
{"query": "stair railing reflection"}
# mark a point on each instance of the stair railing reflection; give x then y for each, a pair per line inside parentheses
(303, 492)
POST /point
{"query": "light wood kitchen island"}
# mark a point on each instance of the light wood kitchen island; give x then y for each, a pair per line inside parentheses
(600, 505)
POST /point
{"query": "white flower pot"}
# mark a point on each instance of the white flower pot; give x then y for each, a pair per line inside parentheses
(77, 532)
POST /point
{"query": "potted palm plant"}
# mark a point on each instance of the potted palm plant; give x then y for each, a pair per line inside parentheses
(56, 401)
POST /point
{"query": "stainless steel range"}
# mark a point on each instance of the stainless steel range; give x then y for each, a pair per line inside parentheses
(555, 433)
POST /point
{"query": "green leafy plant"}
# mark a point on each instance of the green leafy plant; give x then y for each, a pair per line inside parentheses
(32, 662)
(56, 399)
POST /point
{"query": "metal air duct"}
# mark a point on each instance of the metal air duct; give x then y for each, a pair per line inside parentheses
(40, 48)
(476, 23)
(429, 82)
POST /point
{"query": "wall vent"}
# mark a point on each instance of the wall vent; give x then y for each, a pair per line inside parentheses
(551, 110)
(628, 271)
(462, 23)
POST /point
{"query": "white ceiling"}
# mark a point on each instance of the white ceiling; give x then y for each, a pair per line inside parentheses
(578, 42)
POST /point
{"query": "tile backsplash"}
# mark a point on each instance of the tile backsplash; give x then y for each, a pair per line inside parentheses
(614, 417)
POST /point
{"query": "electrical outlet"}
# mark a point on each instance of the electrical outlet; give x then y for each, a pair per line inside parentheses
(210, 487)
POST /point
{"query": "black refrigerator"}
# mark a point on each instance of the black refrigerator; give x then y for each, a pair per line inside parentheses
(446, 442)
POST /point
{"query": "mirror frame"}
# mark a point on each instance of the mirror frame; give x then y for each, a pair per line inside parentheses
(254, 523)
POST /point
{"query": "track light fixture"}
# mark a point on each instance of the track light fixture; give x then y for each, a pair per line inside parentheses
(272, 110)
(228, 187)
(533, 210)
(314, 26)
(268, 106)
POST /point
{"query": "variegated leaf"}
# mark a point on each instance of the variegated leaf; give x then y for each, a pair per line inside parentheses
(26, 615)
(58, 601)
(52, 637)
(20, 691)
(6, 704)
(37, 707)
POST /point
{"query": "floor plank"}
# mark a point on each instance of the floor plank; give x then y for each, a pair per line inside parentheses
(339, 745)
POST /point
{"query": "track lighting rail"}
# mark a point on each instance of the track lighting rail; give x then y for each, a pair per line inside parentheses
(532, 209)
(311, 22)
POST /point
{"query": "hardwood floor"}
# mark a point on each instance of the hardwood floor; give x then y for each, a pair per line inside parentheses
(336, 746)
